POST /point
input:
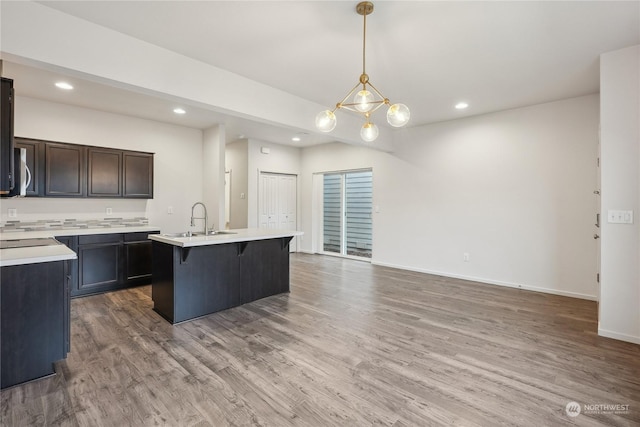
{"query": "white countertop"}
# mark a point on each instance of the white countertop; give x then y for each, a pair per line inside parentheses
(54, 232)
(240, 235)
(36, 254)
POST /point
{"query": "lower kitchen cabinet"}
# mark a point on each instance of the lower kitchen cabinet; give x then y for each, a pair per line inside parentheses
(108, 262)
(34, 323)
(100, 263)
(137, 256)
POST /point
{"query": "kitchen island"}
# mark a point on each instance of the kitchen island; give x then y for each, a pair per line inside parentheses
(193, 276)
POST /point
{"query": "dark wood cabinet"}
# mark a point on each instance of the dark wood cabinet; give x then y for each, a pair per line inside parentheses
(72, 270)
(138, 256)
(104, 172)
(34, 320)
(138, 175)
(35, 163)
(65, 170)
(6, 136)
(100, 263)
(71, 170)
(108, 262)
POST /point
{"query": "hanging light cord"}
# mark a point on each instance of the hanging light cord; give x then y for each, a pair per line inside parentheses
(364, 42)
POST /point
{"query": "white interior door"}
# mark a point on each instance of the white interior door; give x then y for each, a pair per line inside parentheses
(287, 202)
(278, 202)
(268, 204)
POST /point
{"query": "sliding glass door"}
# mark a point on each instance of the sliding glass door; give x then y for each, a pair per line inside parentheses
(347, 207)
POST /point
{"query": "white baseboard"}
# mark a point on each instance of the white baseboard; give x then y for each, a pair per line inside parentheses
(305, 251)
(618, 336)
(491, 282)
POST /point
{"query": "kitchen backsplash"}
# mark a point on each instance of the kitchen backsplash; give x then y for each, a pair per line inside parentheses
(70, 223)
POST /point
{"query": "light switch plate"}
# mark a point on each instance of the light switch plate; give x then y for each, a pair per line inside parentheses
(619, 217)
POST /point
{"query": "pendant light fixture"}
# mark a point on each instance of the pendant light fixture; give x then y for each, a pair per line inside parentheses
(367, 99)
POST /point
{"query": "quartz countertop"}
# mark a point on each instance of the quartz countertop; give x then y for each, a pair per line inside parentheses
(228, 236)
(36, 254)
(54, 232)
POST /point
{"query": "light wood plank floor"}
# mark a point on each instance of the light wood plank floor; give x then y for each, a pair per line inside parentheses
(351, 345)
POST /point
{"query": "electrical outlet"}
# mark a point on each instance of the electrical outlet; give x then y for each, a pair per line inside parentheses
(109, 211)
(170, 210)
(13, 212)
(465, 257)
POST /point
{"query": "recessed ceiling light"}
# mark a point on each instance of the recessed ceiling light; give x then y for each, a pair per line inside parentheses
(299, 136)
(64, 85)
(461, 105)
(179, 111)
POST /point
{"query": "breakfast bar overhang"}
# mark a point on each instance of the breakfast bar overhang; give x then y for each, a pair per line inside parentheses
(194, 276)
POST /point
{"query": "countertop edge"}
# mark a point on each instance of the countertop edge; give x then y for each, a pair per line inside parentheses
(241, 235)
(35, 255)
(13, 235)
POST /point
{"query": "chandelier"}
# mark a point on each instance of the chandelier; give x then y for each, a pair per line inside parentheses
(367, 100)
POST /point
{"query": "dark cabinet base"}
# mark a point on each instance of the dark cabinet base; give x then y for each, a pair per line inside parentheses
(108, 262)
(192, 282)
(34, 322)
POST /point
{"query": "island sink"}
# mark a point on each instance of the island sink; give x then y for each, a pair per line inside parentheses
(198, 233)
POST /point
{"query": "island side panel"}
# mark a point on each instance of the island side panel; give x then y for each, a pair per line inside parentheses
(264, 268)
(162, 281)
(207, 280)
(32, 322)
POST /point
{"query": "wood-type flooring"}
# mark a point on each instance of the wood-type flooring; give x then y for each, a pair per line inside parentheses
(351, 345)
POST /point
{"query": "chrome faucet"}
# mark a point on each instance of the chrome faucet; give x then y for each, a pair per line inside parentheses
(193, 218)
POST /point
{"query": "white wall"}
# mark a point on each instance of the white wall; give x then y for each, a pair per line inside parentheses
(213, 160)
(513, 189)
(620, 179)
(177, 177)
(237, 162)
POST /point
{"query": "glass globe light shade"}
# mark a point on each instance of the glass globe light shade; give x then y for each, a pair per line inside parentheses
(326, 121)
(398, 115)
(363, 101)
(369, 132)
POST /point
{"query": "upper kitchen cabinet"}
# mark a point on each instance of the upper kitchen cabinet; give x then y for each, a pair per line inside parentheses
(104, 169)
(65, 170)
(138, 175)
(6, 136)
(35, 163)
(72, 170)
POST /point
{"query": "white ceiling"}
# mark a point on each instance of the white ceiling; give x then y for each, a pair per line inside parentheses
(428, 55)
